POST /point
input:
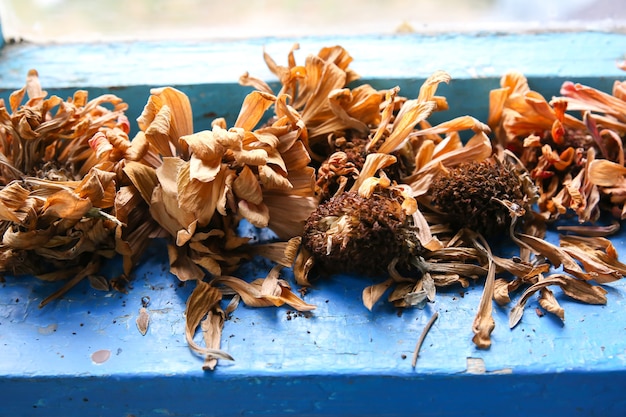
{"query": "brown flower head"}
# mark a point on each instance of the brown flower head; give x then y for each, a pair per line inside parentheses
(354, 233)
(477, 195)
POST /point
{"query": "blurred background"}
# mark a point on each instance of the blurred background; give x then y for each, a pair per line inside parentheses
(88, 20)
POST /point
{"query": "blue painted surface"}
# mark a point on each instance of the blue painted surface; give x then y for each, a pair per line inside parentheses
(342, 359)
(208, 71)
(464, 56)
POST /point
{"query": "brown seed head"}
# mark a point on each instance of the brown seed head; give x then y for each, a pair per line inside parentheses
(352, 233)
(472, 195)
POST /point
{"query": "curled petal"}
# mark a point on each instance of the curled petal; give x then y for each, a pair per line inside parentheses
(253, 108)
(272, 180)
(257, 214)
(246, 186)
(66, 205)
(606, 173)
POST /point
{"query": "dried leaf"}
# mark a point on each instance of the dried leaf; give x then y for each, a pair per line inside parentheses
(290, 298)
(59, 275)
(182, 265)
(501, 292)
(596, 268)
(446, 280)
(429, 286)
(91, 268)
(556, 255)
(283, 253)
(591, 231)
(483, 323)
(401, 290)
(232, 305)
(302, 266)
(598, 255)
(524, 270)
(252, 296)
(270, 287)
(416, 299)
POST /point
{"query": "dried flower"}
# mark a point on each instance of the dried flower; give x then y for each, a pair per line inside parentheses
(351, 180)
(57, 201)
(363, 234)
(554, 146)
(477, 195)
(200, 185)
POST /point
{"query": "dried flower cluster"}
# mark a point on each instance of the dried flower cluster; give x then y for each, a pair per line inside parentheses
(59, 207)
(350, 179)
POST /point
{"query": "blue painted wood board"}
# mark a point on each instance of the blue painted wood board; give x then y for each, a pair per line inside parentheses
(342, 359)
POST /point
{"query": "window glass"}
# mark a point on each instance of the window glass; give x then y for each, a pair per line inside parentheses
(88, 20)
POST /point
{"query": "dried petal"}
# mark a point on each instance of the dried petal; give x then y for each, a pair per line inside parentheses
(582, 290)
(372, 293)
(515, 315)
(257, 214)
(143, 320)
(246, 186)
(548, 301)
(201, 302)
(252, 295)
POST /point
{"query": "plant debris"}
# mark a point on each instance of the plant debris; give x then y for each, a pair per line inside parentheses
(349, 178)
(420, 341)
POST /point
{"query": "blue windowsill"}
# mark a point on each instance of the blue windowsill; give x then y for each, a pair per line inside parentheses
(342, 359)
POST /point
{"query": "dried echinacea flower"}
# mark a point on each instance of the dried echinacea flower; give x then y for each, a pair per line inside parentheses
(373, 229)
(397, 118)
(479, 195)
(362, 234)
(58, 194)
